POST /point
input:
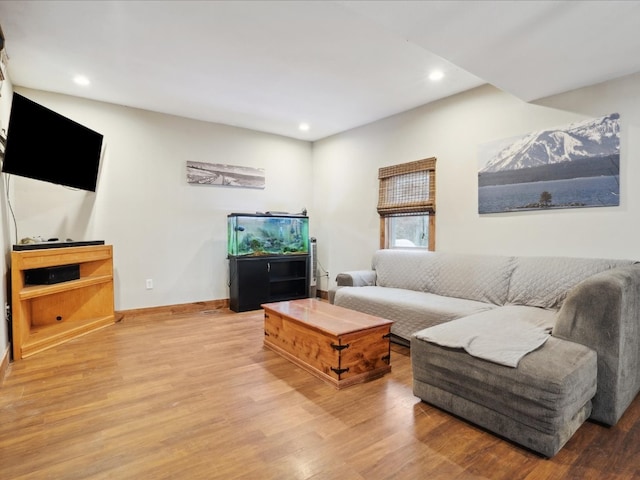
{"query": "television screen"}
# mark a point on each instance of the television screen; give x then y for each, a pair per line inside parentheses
(45, 145)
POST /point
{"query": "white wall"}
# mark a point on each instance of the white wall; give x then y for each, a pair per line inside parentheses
(5, 239)
(164, 229)
(346, 165)
(161, 227)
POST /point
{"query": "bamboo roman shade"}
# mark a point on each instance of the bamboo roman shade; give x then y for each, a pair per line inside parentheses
(408, 188)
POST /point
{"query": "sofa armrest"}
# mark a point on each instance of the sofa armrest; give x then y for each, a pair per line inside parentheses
(353, 278)
(356, 278)
(603, 313)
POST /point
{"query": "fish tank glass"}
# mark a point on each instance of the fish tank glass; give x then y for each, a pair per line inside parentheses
(267, 234)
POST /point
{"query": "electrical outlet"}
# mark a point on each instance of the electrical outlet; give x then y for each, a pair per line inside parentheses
(149, 283)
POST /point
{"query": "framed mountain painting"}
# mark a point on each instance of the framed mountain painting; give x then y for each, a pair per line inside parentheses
(575, 166)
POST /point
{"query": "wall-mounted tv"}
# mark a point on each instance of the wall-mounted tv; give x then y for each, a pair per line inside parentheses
(45, 145)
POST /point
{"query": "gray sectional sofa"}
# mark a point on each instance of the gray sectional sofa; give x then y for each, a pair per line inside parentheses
(526, 347)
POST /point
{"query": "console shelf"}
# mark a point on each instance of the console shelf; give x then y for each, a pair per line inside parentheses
(33, 291)
(46, 336)
(47, 315)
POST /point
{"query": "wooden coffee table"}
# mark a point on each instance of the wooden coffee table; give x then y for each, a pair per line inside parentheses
(338, 345)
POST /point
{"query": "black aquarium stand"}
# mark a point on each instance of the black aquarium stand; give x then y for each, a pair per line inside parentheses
(264, 279)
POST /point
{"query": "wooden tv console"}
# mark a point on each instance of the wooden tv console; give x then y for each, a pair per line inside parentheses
(47, 315)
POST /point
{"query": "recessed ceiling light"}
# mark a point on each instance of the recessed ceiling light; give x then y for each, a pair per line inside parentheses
(81, 80)
(436, 75)
(304, 127)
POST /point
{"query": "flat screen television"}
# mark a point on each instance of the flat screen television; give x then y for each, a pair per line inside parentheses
(47, 146)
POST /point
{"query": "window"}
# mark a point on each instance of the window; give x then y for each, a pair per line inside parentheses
(406, 205)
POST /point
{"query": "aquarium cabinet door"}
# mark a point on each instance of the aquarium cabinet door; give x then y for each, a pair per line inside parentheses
(249, 283)
(258, 280)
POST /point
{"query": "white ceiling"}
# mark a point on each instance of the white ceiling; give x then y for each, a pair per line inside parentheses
(269, 65)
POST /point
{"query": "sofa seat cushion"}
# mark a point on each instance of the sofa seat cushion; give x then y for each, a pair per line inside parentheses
(539, 405)
(411, 311)
(503, 335)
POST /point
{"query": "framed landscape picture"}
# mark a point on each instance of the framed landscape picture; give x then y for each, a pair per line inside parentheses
(203, 173)
(575, 166)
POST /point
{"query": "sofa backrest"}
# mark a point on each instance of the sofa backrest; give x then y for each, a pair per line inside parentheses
(484, 278)
(408, 269)
(545, 281)
(534, 281)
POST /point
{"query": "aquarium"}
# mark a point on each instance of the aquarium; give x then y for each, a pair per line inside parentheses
(266, 234)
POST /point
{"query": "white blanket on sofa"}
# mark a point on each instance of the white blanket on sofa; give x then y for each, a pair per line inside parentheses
(503, 335)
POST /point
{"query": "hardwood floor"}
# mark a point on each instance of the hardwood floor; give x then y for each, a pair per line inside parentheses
(197, 396)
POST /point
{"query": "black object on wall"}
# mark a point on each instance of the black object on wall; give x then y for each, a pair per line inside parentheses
(44, 145)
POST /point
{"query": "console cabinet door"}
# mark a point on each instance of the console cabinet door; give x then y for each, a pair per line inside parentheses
(249, 287)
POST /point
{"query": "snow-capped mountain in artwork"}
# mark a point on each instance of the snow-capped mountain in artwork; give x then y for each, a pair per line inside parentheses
(597, 137)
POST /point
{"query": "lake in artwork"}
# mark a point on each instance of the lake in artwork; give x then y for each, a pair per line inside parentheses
(569, 193)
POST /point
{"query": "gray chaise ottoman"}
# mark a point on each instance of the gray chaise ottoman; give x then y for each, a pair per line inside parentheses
(540, 404)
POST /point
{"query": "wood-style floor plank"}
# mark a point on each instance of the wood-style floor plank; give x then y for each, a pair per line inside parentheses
(197, 396)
